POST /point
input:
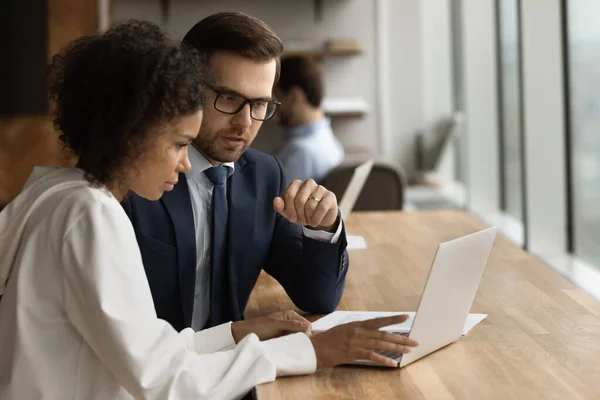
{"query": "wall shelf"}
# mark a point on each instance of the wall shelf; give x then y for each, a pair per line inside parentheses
(346, 115)
(323, 53)
(345, 107)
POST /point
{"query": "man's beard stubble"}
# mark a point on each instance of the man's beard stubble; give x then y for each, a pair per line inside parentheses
(209, 145)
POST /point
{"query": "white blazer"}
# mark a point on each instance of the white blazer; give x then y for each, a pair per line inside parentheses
(77, 319)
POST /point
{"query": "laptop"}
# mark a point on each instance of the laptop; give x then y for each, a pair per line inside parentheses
(355, 187)
(442, 316)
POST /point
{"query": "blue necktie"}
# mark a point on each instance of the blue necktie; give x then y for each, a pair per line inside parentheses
(219, 296)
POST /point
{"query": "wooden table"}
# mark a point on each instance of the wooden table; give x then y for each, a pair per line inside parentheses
(541, 339)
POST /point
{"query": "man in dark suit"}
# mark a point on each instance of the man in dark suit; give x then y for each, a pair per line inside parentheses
(205, 242)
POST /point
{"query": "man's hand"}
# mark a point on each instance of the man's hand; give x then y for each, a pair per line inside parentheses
(359, 341)
(306, 203)
(271, 326)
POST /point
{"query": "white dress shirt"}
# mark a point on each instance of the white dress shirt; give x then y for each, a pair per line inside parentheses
(201, 189)
(77, 319)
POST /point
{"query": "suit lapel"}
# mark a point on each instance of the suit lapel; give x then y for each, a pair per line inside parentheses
(242, 213)
(179, 206)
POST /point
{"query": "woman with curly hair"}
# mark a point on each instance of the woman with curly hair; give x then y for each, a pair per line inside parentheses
(77, 319)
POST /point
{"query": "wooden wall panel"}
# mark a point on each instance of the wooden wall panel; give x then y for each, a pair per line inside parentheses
(69, 19)
(26, 141)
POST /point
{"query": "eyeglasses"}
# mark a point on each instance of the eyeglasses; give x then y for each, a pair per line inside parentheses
(231, 103)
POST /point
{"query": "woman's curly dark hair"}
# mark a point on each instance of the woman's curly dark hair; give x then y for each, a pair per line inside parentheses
(111, 89)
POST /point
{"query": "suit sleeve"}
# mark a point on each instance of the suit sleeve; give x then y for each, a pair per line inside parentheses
(312, 272)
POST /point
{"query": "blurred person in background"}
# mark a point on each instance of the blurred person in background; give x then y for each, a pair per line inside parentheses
(311, 150)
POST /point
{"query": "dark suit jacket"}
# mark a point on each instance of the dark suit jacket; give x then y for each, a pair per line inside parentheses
(312, 272)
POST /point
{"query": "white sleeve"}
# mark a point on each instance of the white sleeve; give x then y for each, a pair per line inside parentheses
(324, 236)
(108, 300)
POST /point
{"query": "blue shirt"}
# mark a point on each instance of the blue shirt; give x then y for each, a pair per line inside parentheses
(311, 151)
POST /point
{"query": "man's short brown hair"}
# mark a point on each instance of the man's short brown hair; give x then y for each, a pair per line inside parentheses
(238, 33)
(305, 73)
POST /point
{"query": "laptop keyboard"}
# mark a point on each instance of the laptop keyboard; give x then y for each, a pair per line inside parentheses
(391, 354)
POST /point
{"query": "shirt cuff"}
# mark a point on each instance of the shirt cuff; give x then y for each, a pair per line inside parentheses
(291, 354)
(324, 236)
(214, 339)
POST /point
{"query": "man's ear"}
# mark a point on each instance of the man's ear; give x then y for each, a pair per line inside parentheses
(296, 95)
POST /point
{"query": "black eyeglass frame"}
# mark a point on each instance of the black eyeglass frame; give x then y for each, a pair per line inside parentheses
(220, 92)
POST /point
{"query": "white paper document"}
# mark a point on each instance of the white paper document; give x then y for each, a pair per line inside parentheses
(356, 242)
(343, 317)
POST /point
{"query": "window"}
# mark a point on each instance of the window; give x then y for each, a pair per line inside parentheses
(457, 82)
(583, 41)
(510, 107)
